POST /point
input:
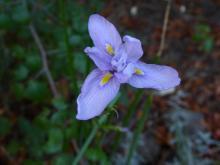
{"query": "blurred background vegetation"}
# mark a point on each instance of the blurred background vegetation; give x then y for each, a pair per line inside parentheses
(42, 42)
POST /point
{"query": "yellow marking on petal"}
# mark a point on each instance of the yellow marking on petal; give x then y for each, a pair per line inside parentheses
(109, 49)
(138, 71)
(106, 79)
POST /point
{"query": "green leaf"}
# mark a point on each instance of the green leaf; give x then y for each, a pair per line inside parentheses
(37, 91)
(33, 138)
(55, 141)
(79, 23)
(59, 117)
(33, 62)
(203, 28)
(97, 155)
(21, 73)
(71, 131)
(21, 15)
(80, 62)
(32, 162)
(24, 125)
(18, 90)
(5, 126)
(63, 159)
(75, 40)
(42, 120)
(18, 52)
(13, 147)
(197, 37)
(208, 45)
(202, 32)
(59, 103)
(5, 21)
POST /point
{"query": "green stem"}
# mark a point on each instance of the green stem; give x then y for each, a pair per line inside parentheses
(132, 107)
(79, 156)
(131, 110)
(140, 126)
(100, 122)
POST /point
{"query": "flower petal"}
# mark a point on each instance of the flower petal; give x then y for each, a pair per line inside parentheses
(133, 48)
(102, 60)
(154, 76)
(103, 33)
(94, 98)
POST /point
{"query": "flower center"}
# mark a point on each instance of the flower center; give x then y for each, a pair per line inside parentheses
(119, 61)
(118, 64)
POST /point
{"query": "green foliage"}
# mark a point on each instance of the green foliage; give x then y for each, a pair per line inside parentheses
(37, 91)
(55, 141)
(33, 138)
(63, 159)
(32, 162)
(5, 126)
(59, 103)
(5, 21)
(37, 128)
(80, 62)
(41, 128)
(97, 155)
(33, 62)
(203, 36)
(18, 52)
(18, 90)
(21, 73)
(20, 14)
(207, 45)
(13, 147)
(45, 127)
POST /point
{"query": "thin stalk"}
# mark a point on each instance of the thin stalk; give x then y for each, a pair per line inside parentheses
(131, 110)
(79, 156)
(111, 107)
(44, 61)
(138, 130)
(96, 127)
(165, 23)
(132, 107)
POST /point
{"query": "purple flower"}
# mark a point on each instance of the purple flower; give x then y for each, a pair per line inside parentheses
(118, 62)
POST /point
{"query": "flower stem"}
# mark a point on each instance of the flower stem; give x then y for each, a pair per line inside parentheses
(132, 107)
(131, 110)
(101, 120)
(138, 130)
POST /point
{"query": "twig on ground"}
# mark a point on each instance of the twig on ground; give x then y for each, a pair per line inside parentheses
(165, 23)
(44, 60)
(39, 73)
(75, 146)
